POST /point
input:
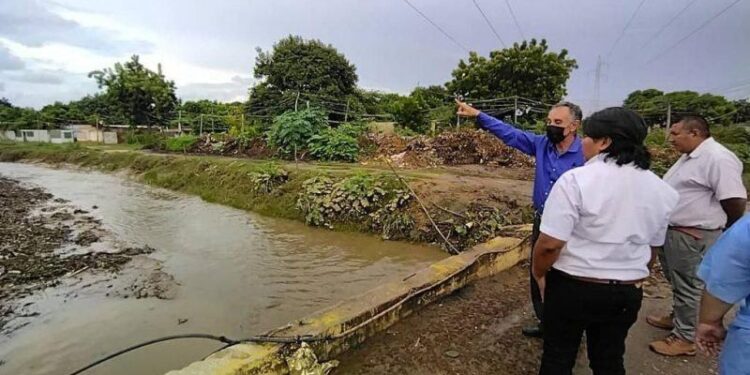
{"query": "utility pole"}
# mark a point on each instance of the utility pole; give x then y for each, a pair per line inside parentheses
(179, 121)
(201, 133)
(515, 110)
(597, 82)
(669, 122)
(346, 115)
(296, 102)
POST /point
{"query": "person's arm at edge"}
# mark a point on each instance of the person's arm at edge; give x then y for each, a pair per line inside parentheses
(734, 208)
(546, 251)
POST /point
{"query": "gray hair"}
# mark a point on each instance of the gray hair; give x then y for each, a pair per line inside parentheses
(574, 109)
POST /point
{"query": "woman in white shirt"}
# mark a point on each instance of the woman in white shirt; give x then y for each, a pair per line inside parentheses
(599, 229)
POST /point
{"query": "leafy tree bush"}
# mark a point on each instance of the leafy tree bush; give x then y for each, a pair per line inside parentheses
(147, 140)
(291, 131)
(528, 69)
(181, 143)
(141, 95)
(334, 145)
(296, 65)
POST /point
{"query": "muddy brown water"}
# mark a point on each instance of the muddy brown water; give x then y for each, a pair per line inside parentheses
(238, 274)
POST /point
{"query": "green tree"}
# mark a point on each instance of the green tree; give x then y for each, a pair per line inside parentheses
(410, 113)
(649, 103)
(140, 95)
(5, 103)
(743, 111)
(528, 69)
(295, 65)
(652, 104)
(292, 130)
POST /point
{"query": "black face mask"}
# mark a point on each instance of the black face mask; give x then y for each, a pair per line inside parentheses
(555, 134)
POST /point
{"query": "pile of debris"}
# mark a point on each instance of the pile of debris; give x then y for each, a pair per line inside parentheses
(448, 148)
(227, 145)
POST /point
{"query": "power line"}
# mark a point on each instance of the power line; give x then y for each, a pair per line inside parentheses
(489, 23)
(437, 27)
(627, 26)
(699, 28)
(651, 39)
(515, 20)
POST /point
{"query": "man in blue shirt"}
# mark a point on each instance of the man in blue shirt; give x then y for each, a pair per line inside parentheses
(556, 152)
(726, 272)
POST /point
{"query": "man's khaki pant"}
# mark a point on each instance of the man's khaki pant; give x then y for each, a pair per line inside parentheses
(682, 255)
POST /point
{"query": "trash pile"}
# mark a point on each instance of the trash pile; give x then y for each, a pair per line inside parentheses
(226, 145)
(449, 148)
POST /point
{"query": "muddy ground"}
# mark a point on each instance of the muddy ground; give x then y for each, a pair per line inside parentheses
(44, 241)
(477, 330)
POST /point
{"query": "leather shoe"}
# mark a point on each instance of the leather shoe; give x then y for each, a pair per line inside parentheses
(532, 331)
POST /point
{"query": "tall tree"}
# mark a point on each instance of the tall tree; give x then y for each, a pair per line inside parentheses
(140, 95)
(295, 65)
(653, 104)
(528, 69)
(743, 110)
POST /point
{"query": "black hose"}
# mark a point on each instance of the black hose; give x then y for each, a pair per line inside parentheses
(225, 340)
(155, 341)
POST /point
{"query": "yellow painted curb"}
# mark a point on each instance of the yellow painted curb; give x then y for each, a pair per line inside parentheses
(350, 322)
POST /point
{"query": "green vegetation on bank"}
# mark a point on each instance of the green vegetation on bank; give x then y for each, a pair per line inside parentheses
(347, 199)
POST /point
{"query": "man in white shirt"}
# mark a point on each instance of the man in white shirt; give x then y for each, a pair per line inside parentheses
(708, 178)
(599, 231)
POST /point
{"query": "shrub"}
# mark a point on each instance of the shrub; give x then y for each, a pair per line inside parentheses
(147, 140)
(334, 145)
(730, 134)
(372, 201)
(181, 143)
(268, 177)
(291, 131)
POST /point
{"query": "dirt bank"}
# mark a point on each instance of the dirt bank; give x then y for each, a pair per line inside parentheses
(44, 240)
(478, 331)
(470, 205)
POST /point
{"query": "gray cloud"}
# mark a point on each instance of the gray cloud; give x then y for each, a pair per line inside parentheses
(2, 86)
(9, 61)
(41, 77)
(394, 49)
(32, 24)
(224, 91)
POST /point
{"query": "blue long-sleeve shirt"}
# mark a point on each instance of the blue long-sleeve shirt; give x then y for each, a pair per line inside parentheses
(550, 164)
(726, 269)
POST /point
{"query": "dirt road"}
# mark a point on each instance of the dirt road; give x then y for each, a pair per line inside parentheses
(477, 331)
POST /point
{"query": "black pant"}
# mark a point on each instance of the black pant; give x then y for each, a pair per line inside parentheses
(536, 296)
(604, 312)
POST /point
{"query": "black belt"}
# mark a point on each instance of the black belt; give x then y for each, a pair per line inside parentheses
(595, 280)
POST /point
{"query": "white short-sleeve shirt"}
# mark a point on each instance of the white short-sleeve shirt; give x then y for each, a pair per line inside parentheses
(609, 216)
(703, 178)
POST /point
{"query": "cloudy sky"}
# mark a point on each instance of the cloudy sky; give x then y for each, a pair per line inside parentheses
(208, 48)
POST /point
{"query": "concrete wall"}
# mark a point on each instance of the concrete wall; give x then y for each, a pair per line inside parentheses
(34, 135)
(60, 136)
(86, 133)
(9, 135)
(110, 138)
(350, 322)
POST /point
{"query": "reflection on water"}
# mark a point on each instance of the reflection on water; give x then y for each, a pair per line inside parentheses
(239, 274)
